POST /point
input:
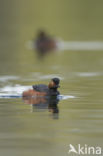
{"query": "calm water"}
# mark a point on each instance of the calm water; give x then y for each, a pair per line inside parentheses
(25, 130)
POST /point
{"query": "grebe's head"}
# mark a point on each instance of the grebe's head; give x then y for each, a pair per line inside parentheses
(54, 83)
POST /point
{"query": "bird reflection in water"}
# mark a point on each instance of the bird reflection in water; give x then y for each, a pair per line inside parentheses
(43, 103)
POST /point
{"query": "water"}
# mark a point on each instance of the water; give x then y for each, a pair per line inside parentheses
(24, 129)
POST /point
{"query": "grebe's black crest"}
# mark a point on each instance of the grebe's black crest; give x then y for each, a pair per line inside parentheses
(56, 81)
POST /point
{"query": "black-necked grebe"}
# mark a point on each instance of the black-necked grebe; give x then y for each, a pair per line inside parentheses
(44, 43)
(44, 90)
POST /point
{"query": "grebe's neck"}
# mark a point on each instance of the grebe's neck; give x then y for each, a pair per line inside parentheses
(53, 91)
